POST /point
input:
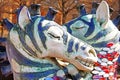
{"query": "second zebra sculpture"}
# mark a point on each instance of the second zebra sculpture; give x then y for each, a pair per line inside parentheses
(100, 32)
(36, 43)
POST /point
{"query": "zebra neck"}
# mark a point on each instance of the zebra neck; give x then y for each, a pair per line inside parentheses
(25, 57)
(103, 44)
(112, 36)
(24, 67)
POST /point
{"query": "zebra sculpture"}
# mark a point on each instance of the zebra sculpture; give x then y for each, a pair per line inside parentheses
(100, 32)
(36, 43)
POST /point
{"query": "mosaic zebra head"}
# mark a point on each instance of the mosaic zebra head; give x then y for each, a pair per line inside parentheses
(100, 32)
(45, 39)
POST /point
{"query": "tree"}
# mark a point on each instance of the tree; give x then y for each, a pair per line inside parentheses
(64, 6)
(2, 4)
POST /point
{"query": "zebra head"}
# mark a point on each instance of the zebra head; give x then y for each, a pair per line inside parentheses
(100, 32)
(41, 38)
(93, 28)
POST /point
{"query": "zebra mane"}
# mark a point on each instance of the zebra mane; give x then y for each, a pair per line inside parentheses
(82, 9)
(49, 16)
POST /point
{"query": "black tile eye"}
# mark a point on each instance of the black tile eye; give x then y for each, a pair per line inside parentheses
(54, 36)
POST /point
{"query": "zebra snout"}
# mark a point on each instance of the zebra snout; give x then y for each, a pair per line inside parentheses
(86, 59)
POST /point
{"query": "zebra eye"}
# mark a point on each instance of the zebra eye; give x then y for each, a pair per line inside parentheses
(76, 28)
(54, 36)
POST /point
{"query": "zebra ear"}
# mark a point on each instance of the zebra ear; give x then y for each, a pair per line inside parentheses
(102, 13)
(23, 17)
